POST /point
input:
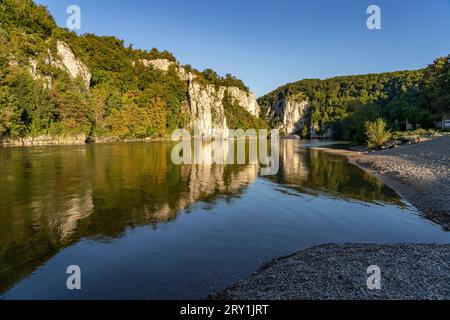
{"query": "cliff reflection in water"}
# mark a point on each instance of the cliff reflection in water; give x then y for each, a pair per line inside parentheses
(51, 197)
(315, 172)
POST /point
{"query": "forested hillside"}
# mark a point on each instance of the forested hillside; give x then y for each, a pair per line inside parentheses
(344, 104)
(114, 91)
(124, 98)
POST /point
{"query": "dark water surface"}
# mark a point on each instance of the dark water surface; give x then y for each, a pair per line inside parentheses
(141, 227)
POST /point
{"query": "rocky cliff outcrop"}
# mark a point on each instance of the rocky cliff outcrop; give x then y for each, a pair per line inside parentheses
(164, 65)
(291, 113)
(44, 140)
(205, 105)
(159, 64)
(36, 75)
(206, 110)
(245, 99)
(67, 61)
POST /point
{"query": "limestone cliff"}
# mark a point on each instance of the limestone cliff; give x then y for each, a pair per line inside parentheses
(206, 109)
(290, 113)
(245, 99)
(205, 105)
(164, 65)
(66, 61)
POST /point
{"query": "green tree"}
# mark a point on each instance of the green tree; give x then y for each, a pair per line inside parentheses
(376, 133)
(437, 86)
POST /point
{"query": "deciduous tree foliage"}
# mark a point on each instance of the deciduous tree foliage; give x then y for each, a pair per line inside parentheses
(346, 103)
(376, 132)
(130, 100)
(125, 98)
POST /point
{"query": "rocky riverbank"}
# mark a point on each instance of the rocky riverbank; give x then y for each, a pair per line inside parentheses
(48, 140)
(336, 272)
(45, 140)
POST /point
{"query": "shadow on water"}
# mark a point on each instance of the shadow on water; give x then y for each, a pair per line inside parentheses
(51, 198)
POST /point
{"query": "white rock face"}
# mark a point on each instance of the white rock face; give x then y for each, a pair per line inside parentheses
(205, 102)
(44, 140)
(65, 61)
(159, 64)
(247, 100)
(206, 110)
(292, 113)
(71, 64)
(164, 65)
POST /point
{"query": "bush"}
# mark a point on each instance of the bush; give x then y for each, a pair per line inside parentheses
(376, 133)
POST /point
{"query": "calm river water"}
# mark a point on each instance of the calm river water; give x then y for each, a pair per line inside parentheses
(140, 227)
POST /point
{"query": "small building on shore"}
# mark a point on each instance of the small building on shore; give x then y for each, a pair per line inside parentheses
(446, 121)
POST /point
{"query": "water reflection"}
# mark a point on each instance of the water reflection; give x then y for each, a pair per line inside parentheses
(315, 172)
(51, 197)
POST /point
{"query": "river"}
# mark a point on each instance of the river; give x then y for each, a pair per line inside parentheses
(141, 227)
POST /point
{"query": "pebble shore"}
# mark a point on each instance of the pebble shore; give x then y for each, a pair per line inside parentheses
(339, 272)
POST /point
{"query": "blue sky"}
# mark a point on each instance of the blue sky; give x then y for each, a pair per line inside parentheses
(270, 43)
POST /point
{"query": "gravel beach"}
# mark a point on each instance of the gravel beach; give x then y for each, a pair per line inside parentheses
(336, 272)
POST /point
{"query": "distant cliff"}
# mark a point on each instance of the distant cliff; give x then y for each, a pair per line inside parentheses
(291, 114)
(339, 107)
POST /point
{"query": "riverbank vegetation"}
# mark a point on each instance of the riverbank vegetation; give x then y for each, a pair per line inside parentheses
(127, 99)
(376, 133)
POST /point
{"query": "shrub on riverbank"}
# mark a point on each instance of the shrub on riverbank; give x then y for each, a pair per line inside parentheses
(376, 133)
(399, 138)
